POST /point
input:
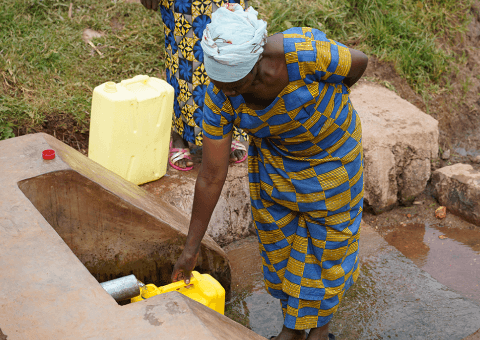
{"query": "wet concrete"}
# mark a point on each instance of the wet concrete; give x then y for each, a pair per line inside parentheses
(393, 297)
(450, 255)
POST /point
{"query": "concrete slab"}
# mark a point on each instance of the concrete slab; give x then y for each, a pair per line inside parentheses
(46, 292)
(458, 188)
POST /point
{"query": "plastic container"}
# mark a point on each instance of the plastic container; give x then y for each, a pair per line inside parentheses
(202, 288)
(130, 127)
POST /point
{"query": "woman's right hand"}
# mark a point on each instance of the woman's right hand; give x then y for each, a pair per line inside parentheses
(150, 4)
(184, 266)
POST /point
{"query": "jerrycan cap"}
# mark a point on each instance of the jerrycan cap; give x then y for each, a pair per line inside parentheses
(48, 154)
(110, 87)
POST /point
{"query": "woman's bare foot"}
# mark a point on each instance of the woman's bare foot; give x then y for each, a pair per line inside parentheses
(320, 333)
(291, 334)
(179, 143)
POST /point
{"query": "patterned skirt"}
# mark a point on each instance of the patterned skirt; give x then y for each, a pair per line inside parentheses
(308, 234)
(183, 23)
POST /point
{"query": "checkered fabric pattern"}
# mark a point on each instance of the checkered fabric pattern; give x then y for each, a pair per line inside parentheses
(305, 164)
(183, 24)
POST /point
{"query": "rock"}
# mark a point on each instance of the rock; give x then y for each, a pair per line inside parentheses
(446, 154)
(441, 212)
(476, 159)
(399, 142)
(458, 188)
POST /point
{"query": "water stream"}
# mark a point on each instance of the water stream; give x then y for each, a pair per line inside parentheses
(413, 285)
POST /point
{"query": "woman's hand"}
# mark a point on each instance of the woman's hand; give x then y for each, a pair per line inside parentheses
(184, 266)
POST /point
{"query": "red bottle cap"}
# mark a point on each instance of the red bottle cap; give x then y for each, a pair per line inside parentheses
(48, 154)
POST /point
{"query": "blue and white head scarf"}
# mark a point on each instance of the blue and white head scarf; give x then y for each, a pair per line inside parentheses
(233, 42)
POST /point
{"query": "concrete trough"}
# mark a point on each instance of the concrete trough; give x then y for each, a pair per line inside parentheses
(67, 224)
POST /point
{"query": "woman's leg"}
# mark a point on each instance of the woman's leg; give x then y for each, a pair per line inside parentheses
(291, 334)
(320, 333)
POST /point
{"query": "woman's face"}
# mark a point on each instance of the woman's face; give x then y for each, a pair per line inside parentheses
(238, 87)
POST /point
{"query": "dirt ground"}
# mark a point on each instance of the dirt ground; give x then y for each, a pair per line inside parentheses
(421, 212)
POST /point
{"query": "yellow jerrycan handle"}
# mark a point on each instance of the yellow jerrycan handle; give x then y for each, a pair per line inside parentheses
(137, 79)
(180, 284)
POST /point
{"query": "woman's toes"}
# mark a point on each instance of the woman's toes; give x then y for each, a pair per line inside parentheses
(237, 155)
(181, 163)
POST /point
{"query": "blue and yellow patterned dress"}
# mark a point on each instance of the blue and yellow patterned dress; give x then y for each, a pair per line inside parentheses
(183, 25)
(305, 164)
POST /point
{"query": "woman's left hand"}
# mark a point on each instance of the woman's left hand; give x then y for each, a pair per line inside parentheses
(184, 266)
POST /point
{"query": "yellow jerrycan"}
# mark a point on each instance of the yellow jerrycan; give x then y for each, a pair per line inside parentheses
(130, 127)
(202, 288)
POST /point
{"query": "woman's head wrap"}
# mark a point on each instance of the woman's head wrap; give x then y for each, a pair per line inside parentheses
(233, 42)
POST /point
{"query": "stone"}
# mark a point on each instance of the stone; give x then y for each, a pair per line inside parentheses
(476, 159)
(67, 224)
(441, 212)
(446, 154)
(400, 142)
(458, 188)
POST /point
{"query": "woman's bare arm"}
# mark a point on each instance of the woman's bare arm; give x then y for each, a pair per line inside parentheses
(210, 180)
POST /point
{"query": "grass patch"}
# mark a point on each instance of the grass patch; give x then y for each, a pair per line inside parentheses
(415, 35)
(47, 69)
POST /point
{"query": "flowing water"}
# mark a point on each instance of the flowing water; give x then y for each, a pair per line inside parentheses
(413, 285)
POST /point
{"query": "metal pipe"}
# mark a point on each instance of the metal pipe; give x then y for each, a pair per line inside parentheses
(123, 288)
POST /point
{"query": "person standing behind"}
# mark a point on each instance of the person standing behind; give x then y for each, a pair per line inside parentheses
(183, 24)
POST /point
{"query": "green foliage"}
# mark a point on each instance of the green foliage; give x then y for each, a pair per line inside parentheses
(409, 33)
(10, 110)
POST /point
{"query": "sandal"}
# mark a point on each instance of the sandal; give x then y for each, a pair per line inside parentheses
(177, 154)
(239, 146)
